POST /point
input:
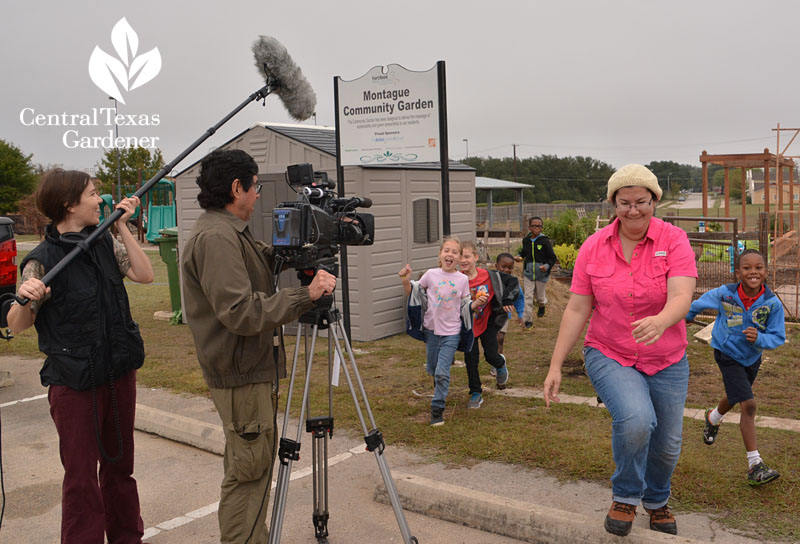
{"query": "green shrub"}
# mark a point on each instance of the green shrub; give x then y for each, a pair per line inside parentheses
(567, 228)
(566, 255)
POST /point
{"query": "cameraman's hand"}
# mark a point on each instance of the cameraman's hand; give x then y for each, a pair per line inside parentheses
(323, 284)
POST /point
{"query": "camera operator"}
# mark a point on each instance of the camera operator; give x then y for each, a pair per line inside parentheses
(235, 317)
(93, 349)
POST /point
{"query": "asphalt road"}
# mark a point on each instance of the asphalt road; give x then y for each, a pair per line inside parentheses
(179, 485)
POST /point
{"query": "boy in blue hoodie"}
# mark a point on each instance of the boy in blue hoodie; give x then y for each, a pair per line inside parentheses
(750, 319)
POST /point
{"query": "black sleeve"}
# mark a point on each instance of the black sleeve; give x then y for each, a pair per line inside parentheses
(510, 288)
(547, 252)
(527, 249)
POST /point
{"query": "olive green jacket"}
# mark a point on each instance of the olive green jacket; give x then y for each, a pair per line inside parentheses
(230, 305)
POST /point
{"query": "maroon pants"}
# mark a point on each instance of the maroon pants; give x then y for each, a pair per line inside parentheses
(93, 504)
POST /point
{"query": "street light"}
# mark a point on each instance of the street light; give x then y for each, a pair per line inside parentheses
(116, 136)
(466, 141)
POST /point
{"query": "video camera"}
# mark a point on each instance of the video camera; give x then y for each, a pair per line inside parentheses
(307, 233)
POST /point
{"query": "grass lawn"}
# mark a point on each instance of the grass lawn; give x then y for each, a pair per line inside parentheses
(569, 441)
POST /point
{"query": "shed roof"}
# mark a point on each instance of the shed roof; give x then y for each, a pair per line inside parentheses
(492, 183)
(318, 137)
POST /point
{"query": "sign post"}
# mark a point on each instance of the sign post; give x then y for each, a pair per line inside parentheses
(392, 116)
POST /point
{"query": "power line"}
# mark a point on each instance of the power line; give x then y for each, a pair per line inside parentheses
(624, 147)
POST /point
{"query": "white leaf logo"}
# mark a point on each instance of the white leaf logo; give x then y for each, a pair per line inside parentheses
(107, 71)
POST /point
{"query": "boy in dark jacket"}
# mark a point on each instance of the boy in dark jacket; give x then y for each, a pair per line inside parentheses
(538, 259)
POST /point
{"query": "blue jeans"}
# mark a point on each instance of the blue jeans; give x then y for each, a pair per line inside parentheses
(647, 414)
(440, 351)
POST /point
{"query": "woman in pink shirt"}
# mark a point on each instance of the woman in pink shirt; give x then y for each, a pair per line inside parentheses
(635, 279)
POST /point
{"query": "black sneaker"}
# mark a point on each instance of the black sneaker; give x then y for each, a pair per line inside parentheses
(761, 474)
(709, 431)
(540, 313)
(528, 325)
(437, 417)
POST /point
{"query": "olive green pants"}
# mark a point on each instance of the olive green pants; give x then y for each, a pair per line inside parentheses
(247, 414)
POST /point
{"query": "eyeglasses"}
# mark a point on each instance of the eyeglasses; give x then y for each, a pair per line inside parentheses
(634, 205)
(259, 186)
(536, 226)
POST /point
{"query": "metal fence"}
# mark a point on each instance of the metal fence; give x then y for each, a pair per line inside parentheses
(784, 258)
(507, 217)
(714, 252)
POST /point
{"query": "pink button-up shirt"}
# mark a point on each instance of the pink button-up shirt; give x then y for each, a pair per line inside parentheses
(624, 293)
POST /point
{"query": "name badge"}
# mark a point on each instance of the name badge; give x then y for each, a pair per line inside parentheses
(661, 254)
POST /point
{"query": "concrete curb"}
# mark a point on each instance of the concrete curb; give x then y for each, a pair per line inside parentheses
(509, 517)
(206, 436)
(781, 424)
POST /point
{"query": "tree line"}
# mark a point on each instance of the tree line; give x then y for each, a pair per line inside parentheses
(19, 175)
(583, 179)
(551, 178)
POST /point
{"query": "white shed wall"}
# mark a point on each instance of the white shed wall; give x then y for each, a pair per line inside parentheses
(376, 295)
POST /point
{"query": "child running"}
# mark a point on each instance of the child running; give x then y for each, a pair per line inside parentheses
(750, 319)
(444, 291)
(496, 301)
(539, 258)
(505, 264)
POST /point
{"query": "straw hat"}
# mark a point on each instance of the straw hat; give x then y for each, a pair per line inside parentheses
(633, 175)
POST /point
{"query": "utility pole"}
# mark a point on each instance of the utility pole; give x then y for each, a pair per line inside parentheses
(515, 161)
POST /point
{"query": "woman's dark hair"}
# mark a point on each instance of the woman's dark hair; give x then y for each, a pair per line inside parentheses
(750, 252)
(217, 172)
(614, 196)
(58, 190)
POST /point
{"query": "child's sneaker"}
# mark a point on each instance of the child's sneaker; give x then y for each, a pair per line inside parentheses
(502, 375)
(528, 325)
(540, 311)
(437, 417)
(761, 474)
(475, 400)
(709, 431)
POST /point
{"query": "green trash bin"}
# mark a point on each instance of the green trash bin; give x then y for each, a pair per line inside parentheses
(168, 249)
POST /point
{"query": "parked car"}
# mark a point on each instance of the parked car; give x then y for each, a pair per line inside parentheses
(8, 257)
(681, 199)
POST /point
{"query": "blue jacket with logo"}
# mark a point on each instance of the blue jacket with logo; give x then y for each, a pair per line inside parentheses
(766, 315)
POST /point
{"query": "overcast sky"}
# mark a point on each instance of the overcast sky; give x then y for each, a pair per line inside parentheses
(620, 81)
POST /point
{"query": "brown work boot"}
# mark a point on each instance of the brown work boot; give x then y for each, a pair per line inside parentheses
(619, 519)
(662, 520)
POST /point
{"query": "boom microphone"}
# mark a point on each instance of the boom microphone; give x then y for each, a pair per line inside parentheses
(284, 77)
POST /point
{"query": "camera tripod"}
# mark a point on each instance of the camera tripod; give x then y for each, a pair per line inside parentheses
(325, 316)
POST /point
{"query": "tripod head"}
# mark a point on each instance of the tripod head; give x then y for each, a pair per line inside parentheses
(306, 276)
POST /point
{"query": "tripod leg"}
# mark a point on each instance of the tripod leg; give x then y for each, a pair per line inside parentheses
(289, 450)
(373, 438)
(319, 452)
(321, 428)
